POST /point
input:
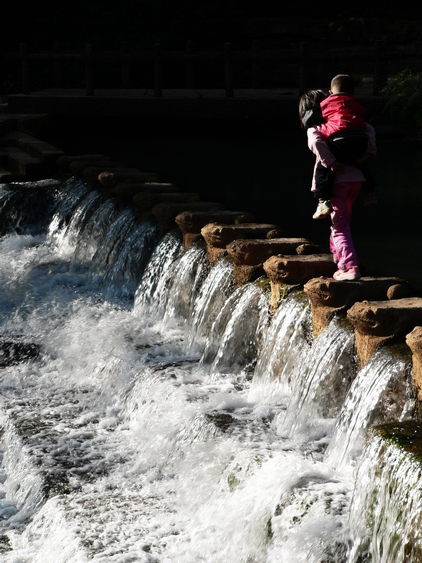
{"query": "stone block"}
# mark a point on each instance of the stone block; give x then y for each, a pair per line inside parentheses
(414, 341)
(110, 178)
(298, 269)
(165, 213)
(295, 270)
(386, 318)
(219, 235)
(245, 252)
(378, 322)
(78, 167)
(193, 221)
(328, 296)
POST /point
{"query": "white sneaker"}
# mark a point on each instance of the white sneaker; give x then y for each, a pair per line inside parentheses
(323, 210)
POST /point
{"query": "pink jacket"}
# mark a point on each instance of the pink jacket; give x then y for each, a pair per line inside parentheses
(317, 144)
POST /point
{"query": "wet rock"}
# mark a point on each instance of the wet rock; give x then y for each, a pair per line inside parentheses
(64, 161)
(218, 236)
(407, 435)
(5, 544)
(14, 352)
(329, 297)
(92, 175)
(221, 420)
(256, 257)
(414, 341)
(79, 167)
(55, 483)
(378, 322)
(128, 190)
(110, 178)
(191, 222)
(252, 252)
(166, 213)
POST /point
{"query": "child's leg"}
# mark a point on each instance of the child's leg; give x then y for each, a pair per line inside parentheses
(324, 180)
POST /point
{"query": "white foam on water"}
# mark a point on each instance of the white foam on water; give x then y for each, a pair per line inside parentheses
(151, 426)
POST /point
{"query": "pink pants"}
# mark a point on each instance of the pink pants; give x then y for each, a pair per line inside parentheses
(341, 244)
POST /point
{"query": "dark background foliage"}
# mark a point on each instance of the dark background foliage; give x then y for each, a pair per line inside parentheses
(106, 23)
(232, 164)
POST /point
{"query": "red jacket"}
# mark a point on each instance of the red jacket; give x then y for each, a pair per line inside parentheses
(341, 112)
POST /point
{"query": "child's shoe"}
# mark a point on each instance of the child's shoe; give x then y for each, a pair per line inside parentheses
(348, 275)
(323, 210)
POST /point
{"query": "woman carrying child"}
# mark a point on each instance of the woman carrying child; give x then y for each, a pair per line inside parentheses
(347, 181)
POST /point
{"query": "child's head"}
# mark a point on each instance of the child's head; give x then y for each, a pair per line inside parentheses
(309, 100)
(342, 83)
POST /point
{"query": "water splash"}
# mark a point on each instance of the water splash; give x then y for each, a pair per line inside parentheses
(67, 199)
(285, 343)
(385, 516)
(25, 208)
(321, 384)
(122, 255)
(188, 273)
(149, 428)
(153, 287)
(92, 233)
(214, 292)
(236, 334)
(371, 400)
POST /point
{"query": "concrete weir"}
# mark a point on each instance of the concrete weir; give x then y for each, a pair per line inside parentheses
(380, 309)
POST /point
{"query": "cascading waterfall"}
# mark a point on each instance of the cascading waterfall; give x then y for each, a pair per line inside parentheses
(367, 403)
(390, 499)
(168, 416)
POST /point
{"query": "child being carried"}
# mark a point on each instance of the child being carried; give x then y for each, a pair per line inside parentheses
(340, 118)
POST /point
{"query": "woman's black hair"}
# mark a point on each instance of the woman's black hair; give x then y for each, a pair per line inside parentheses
(308, 101)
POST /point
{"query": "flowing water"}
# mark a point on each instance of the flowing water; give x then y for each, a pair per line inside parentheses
(152, 412)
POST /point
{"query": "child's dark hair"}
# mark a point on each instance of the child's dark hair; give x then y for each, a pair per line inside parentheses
(343, 83)
(308, 101)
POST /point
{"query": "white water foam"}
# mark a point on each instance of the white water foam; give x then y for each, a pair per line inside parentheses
(150, 426)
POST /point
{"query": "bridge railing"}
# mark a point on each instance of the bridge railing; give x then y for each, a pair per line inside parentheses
(300, 65)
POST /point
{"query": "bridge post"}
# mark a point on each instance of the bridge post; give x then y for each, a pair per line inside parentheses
(228, 70)
(89, 73)
(158, 71)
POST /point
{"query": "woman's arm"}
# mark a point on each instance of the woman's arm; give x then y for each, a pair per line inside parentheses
(372, 143)
(317, 144)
